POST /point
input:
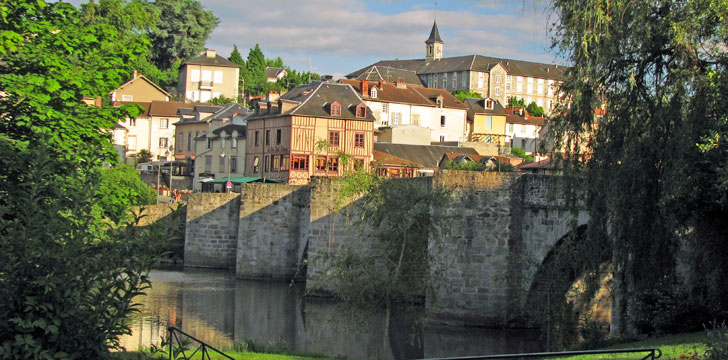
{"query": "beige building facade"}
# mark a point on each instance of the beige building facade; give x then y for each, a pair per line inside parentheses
(139, 89)
(207, 77)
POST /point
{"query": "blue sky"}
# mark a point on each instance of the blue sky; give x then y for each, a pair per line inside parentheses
(336, 37)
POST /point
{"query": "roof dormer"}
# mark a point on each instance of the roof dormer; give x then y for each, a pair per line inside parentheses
(373, 92)
(335, 108)
(361, 111)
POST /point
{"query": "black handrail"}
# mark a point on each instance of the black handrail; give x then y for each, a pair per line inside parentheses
(651, 354)
(203, 346)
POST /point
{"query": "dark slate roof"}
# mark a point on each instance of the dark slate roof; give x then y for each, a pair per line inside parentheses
(474, 63)
(389, 74)
(434, 34)
(207, 108)
(425, 155)
(241, 129)
(477, 106)
(227, 111)
(314, 99)
(514, 117)
(167, 108)
(211, 61)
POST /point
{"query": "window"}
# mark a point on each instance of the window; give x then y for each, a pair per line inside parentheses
(195, 75)
(509, 80)
(442, 138)
(192, 95)
(444, 80)
(256, 164)
(265, 160)
(218, 77)
(442, 120)
(396, 118)
(267, 137)
(334, 164)
(333, 138)
(209, 143)
(497, 79)
(359, 140)
(189, 141)
(510, 128)
(131, 143)
(488, 104)
(497, 91)
(299, 162)
(463, 81)
(278, 136)
(434, 82)
(132, 122)
(206, 76)
(361, 111)
(320, 164)
(519, 84)
(163, 142)
(208, 163)
(276, 162)
(222, 143)
(234, 143)
(529, 88)
(551, 88)
(439, 102)
(488, 122)
(180, 139)
(163, 123)
(454, 81)
(335, 109)
(416, 119)
(127, 98)
(256, 138)
(233, 164)
(284, 162)
(221, 168)
(373, 93)
(385, 108)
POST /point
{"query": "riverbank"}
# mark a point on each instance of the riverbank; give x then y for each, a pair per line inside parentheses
(679, 346)
(234, 355)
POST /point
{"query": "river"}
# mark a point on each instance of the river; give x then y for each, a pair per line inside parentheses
(217, 308)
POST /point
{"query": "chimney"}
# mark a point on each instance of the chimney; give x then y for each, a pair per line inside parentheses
(381, 83)
(272, 95)
(364, 87)
(400, 84)
(135, 74)
(210, 53)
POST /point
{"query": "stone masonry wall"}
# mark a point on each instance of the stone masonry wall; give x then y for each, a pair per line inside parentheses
(152, 213)
(272, 231)
(474, 259)
(212, 230)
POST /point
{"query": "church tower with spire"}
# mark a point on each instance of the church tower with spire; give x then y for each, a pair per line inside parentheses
(433, 45)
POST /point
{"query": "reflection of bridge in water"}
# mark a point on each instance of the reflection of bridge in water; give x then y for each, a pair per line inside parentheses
(217, 309)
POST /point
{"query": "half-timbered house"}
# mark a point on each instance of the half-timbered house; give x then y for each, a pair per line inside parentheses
(307, 131)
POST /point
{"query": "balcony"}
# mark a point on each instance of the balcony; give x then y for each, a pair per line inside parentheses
(205, 85)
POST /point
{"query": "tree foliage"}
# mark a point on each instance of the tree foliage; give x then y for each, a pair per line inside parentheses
(67, 278)
(534, 109)
(119, 188)
(657, 173)
(462, 94)
(514, 102)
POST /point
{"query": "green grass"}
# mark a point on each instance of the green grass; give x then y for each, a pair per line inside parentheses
(235, 355)
(672, 346)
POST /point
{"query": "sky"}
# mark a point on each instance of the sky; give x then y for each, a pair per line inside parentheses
(336, 37)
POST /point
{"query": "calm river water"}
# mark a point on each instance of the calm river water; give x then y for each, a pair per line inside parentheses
(219, 309)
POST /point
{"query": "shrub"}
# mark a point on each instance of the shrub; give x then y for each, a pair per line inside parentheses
(716, 342)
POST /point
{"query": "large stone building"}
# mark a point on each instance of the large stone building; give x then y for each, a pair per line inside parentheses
(305, 132)
(207, 77)
(492, 77)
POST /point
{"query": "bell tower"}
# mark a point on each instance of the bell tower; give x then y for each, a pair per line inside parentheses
(433, 45)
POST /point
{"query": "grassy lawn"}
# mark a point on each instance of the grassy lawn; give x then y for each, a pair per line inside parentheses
(235, 355)
(672, 346)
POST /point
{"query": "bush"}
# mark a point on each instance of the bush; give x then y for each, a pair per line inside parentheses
(67, 278)
(716, 342)
(119, 188)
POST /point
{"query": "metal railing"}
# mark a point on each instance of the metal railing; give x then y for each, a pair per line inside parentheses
(181, 351)
(650, 354)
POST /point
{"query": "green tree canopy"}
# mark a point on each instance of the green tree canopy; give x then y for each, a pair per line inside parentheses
(255, 83)
(514, 102)
(657, 172)
(462, 94)
(182, 33)
(534, 109)
(120, 188)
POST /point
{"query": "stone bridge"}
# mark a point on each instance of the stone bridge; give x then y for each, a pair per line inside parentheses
(502, 225)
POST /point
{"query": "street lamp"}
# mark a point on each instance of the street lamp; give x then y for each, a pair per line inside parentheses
(171, 150)
(222, 156)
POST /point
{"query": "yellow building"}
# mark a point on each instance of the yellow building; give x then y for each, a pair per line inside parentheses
(487, 121)
(207, 77)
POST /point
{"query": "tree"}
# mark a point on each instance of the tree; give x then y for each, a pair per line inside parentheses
(657, 170)
(236, 58)
(183, 32)
(521, 153)
(462, 94)
(255, 83)
(120, 188)
(534, 110)
(143, 156)
(514, 102)
(67, 278)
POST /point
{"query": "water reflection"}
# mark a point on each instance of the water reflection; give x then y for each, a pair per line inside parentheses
(216, 308)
